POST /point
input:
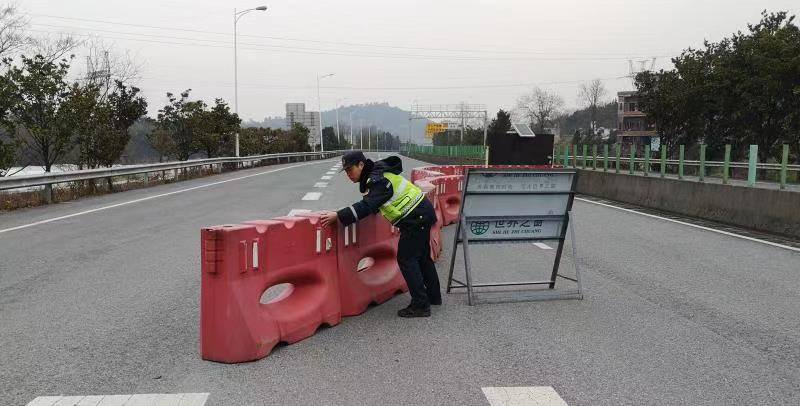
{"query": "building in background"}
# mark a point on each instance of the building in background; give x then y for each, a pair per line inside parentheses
(296, 113)
(633, 125)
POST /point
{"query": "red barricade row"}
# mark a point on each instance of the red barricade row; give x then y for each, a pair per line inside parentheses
(367, 265)
(332, 272)
(240, 262)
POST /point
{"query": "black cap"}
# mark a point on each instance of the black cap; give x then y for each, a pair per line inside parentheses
(352, 158)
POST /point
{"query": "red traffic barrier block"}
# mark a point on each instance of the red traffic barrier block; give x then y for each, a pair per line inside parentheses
(241, 262)
(436, 230)
(367, 261)
(449, 195)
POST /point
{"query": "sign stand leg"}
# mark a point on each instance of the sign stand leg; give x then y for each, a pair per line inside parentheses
(559, 251)
(575, 255)
(453, 257)
(466, 262)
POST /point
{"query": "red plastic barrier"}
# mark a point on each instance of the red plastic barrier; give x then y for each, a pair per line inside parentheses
(378, 279)
(436, 230)
(240, 262)
(450, 197)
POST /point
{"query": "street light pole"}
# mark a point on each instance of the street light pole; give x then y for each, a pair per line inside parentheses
(319, 106)
(351, 129)
(236, 17)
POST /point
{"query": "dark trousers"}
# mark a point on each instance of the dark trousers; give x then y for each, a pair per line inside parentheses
(419, 271)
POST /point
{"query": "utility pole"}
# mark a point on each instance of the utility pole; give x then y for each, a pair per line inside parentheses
(351, 128)
(361, 140)
(337, 124)
(369, 137)
(236, 16)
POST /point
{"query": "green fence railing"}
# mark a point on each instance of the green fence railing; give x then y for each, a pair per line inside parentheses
(452, 151)
(777, 171)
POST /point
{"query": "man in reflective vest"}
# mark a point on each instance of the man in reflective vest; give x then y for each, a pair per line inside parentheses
(404, 205)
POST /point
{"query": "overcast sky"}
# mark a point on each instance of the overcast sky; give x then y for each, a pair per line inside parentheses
(433, 51)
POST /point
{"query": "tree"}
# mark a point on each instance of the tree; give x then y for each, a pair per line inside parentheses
(330, 139)
(298, 139)
(500, 125)
(8, 155)
(35, 107)
(540, 107)
(742, 90)
(174, 124)
(258, 141)
(591, 95)
(215, 129)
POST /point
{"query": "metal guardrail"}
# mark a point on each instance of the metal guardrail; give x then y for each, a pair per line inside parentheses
(15, 182)
(655, 161)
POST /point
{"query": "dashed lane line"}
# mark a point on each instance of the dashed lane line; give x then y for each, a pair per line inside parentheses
(321, 184)
(312, 196)
(543, 246)
(295, 212)
(523, 396)
(326, 177)
(165, 399)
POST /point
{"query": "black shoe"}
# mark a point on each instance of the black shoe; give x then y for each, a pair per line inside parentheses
(414, 312)
(439, 303)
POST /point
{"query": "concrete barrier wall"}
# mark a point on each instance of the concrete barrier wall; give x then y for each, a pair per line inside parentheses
(767, 210)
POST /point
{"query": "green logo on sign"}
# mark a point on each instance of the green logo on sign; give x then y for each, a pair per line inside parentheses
(479, 227)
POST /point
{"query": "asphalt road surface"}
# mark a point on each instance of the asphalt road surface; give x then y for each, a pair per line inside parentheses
(101, 296)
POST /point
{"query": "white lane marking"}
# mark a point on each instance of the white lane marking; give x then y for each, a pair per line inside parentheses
(321, 184)
(50, 220)
(312, 196)
(542, 245)
(165, 399)
(523, 396)
(330, 173)
(295, 212)
(326, 177)
(744, 237)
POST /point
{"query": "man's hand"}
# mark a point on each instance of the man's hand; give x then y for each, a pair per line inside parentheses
(329, 218)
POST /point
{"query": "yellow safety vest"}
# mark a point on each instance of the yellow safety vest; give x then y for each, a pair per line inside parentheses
(406, 196)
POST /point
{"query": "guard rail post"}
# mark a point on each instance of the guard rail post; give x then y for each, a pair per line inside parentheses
(751, 165)
(619, 153)
(701, 172)
(583, 156)
(605, 157)
(680, 161)
(632, 164)
(663, 160)
(594, 157)
(784, 163)
(726, 165)
(575, 156)
(646, 160)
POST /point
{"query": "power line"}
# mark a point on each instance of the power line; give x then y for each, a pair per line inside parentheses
(277, 38)
(319, 51)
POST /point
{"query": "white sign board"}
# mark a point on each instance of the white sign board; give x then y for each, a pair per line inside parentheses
(522, 182)
(513, 229)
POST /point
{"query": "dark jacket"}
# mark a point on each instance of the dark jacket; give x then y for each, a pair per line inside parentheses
(377, 190)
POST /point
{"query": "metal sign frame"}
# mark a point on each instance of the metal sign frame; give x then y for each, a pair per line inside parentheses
(461, 236)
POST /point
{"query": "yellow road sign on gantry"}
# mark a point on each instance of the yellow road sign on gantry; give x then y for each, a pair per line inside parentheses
(434, 128)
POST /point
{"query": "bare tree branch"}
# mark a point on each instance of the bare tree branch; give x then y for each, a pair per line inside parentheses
(591, 95)
(540, 107)
(104, 66)
(12, 30)
(55, 48)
